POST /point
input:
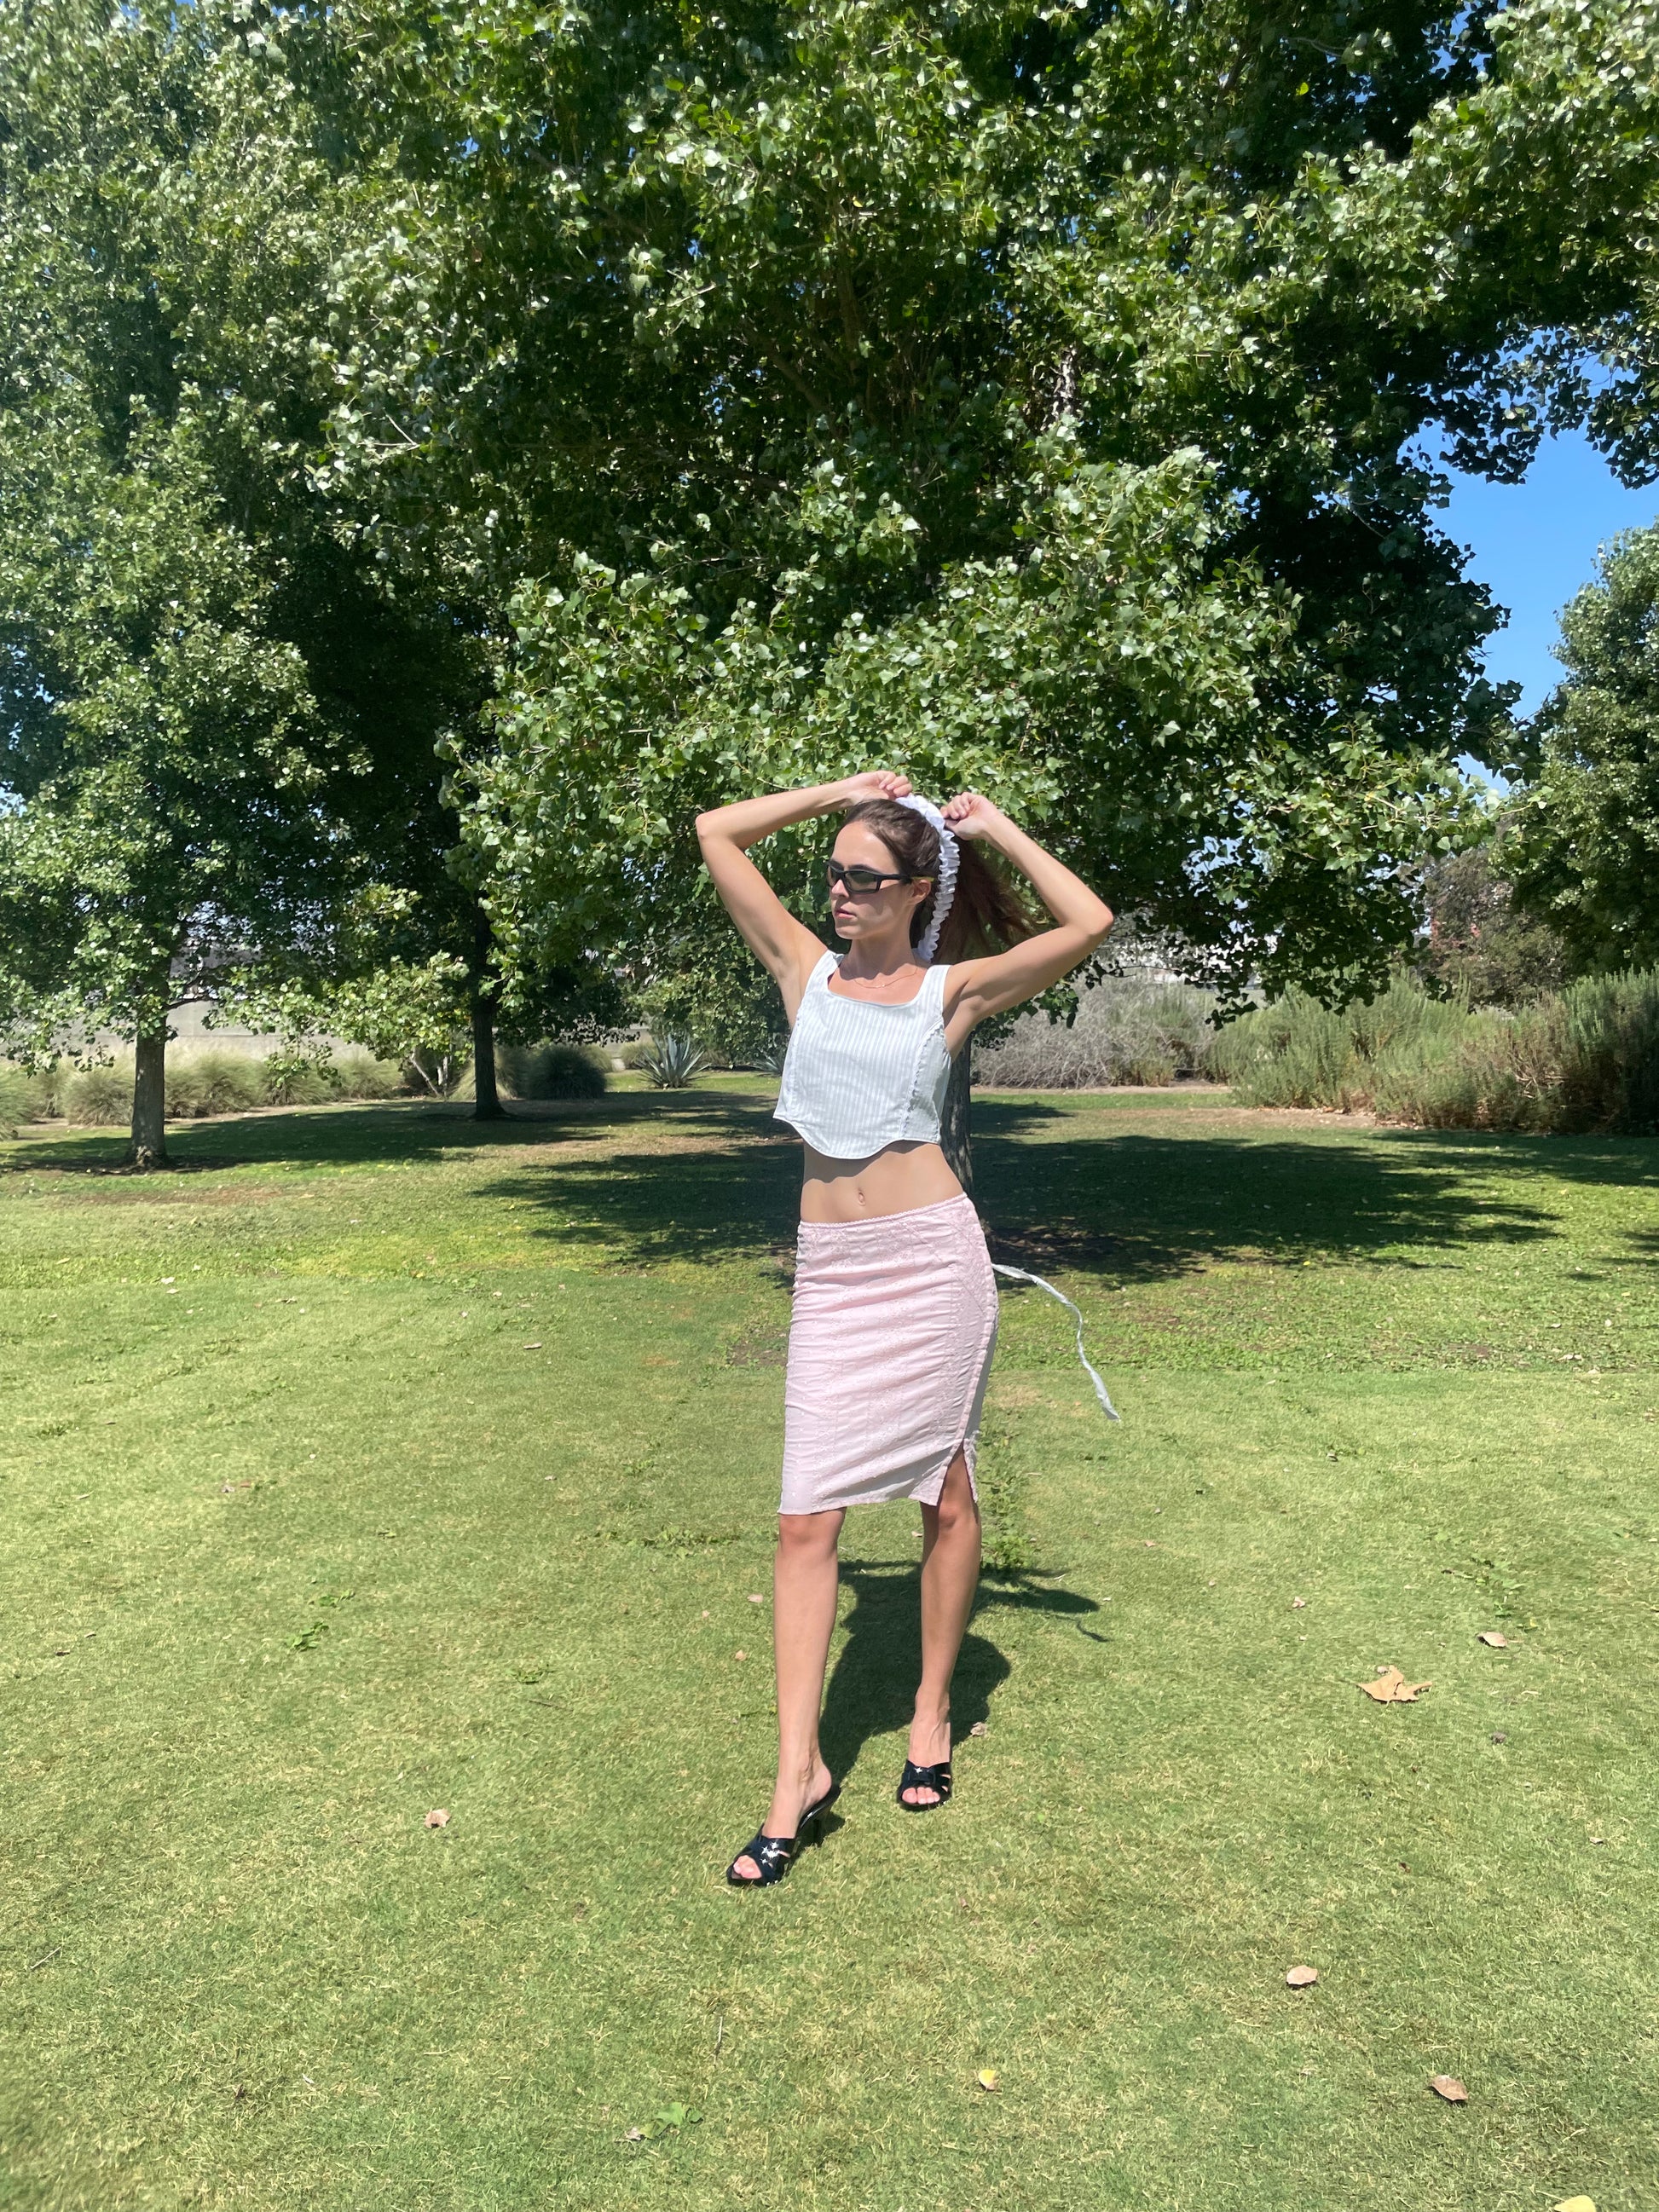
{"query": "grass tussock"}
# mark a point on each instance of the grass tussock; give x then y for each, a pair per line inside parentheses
(1583, 1061)
(550, 1070)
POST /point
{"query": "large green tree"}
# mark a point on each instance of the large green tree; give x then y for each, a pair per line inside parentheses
(1585, 853)
(219, 706)
(1028, 395)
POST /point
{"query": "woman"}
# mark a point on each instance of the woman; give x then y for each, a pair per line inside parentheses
(895, 1314)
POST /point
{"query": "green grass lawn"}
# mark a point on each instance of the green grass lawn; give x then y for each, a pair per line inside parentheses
(373, 1463)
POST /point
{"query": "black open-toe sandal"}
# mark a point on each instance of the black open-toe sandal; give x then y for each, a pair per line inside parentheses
(924, 1777)
(775, 1855)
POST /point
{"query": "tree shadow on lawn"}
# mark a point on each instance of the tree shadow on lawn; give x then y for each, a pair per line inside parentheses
(872, 1689)
(1133, 1206)
(418, 1132)
(712, 1176)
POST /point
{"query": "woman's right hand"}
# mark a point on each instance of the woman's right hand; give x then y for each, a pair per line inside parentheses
(874, 783)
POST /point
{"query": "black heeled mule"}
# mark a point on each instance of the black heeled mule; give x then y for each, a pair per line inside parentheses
(936, 1776)
(775, 1855)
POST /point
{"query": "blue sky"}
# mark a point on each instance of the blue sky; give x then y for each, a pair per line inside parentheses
(1533, 544)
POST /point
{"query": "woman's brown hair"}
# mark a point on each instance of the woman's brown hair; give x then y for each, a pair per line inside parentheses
(987, 914)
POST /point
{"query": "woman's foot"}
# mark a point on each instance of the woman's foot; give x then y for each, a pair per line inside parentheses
(930, 1746)
(790, 1800)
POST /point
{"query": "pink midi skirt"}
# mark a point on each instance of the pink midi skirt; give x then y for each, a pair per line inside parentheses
(894, 1324)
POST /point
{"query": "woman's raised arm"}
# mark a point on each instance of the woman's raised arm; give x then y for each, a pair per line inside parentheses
(990, 986)
(785, 947)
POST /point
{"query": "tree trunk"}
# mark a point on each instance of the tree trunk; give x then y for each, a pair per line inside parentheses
(148, 1148)
(486, 1098)
(955, 1134)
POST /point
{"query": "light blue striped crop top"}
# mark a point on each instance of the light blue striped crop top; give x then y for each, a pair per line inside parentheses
(860, 1075)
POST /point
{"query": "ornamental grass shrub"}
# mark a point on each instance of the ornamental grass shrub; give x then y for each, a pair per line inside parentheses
(13, 1101)
(1129, 1029)
(357, 1074)
(99, 1096)
(218, 1080)
(550, 1070)
(1582, 1061)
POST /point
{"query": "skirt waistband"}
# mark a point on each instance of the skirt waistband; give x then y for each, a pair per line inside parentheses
(914, 1218)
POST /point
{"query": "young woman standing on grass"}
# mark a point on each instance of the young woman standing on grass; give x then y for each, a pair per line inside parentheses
(895, 1309)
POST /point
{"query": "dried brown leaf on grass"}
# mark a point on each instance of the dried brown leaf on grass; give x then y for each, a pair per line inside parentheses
(988, 2078)
(438, 1818)
(1302, 1977)
(1497, 1642)
(1448, 2087)
(1391, 1687)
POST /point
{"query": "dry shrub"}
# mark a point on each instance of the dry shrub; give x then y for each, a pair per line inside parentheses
(1129, 1030)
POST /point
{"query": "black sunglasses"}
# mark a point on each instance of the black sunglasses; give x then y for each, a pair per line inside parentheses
(862, 879)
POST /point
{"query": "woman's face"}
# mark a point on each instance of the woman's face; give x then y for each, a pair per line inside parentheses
(878, 913)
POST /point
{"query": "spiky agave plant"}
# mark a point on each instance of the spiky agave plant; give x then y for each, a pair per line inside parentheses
(673, 1061)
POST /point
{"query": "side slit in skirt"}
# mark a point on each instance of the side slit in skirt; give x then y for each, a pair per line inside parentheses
(890, 1350)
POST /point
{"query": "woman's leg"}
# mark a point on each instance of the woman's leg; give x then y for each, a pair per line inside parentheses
(949, 1576)
(804, 1590)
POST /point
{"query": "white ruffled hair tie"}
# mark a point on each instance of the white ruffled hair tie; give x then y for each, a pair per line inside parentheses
(944, 887)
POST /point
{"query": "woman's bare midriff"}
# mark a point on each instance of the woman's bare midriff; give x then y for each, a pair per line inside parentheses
(897, 1180)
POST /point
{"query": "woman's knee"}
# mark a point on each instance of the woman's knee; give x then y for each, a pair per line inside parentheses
(808, 1536)
(957, 1508)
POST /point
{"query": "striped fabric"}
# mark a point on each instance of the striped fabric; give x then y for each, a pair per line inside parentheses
(859, 1076)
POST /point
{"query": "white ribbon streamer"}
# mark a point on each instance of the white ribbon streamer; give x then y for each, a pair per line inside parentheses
(1020, 1276)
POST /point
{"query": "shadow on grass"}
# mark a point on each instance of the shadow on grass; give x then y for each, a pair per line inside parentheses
(1130, 1205)
(706, 1176)
(420, 1131)
(872, 1689)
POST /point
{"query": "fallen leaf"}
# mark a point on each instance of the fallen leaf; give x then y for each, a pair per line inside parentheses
(437, 1820)
(1577, 2204)
(978, 1729)
(1497, 1642)
(1391, 1687)
(742, 1654)
(1302, 1977)
(1297, 1604)
(755, 1598)
(988, 2078)
(534, 1347)
(1498, 1736)
(1448, 2087)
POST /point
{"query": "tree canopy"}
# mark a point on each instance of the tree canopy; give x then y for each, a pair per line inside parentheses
(1032, 396)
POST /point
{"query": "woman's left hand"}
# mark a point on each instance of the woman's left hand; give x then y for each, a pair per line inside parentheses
(971, 816)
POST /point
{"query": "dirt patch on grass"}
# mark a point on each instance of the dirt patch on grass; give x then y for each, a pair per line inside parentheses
(158, 1190)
